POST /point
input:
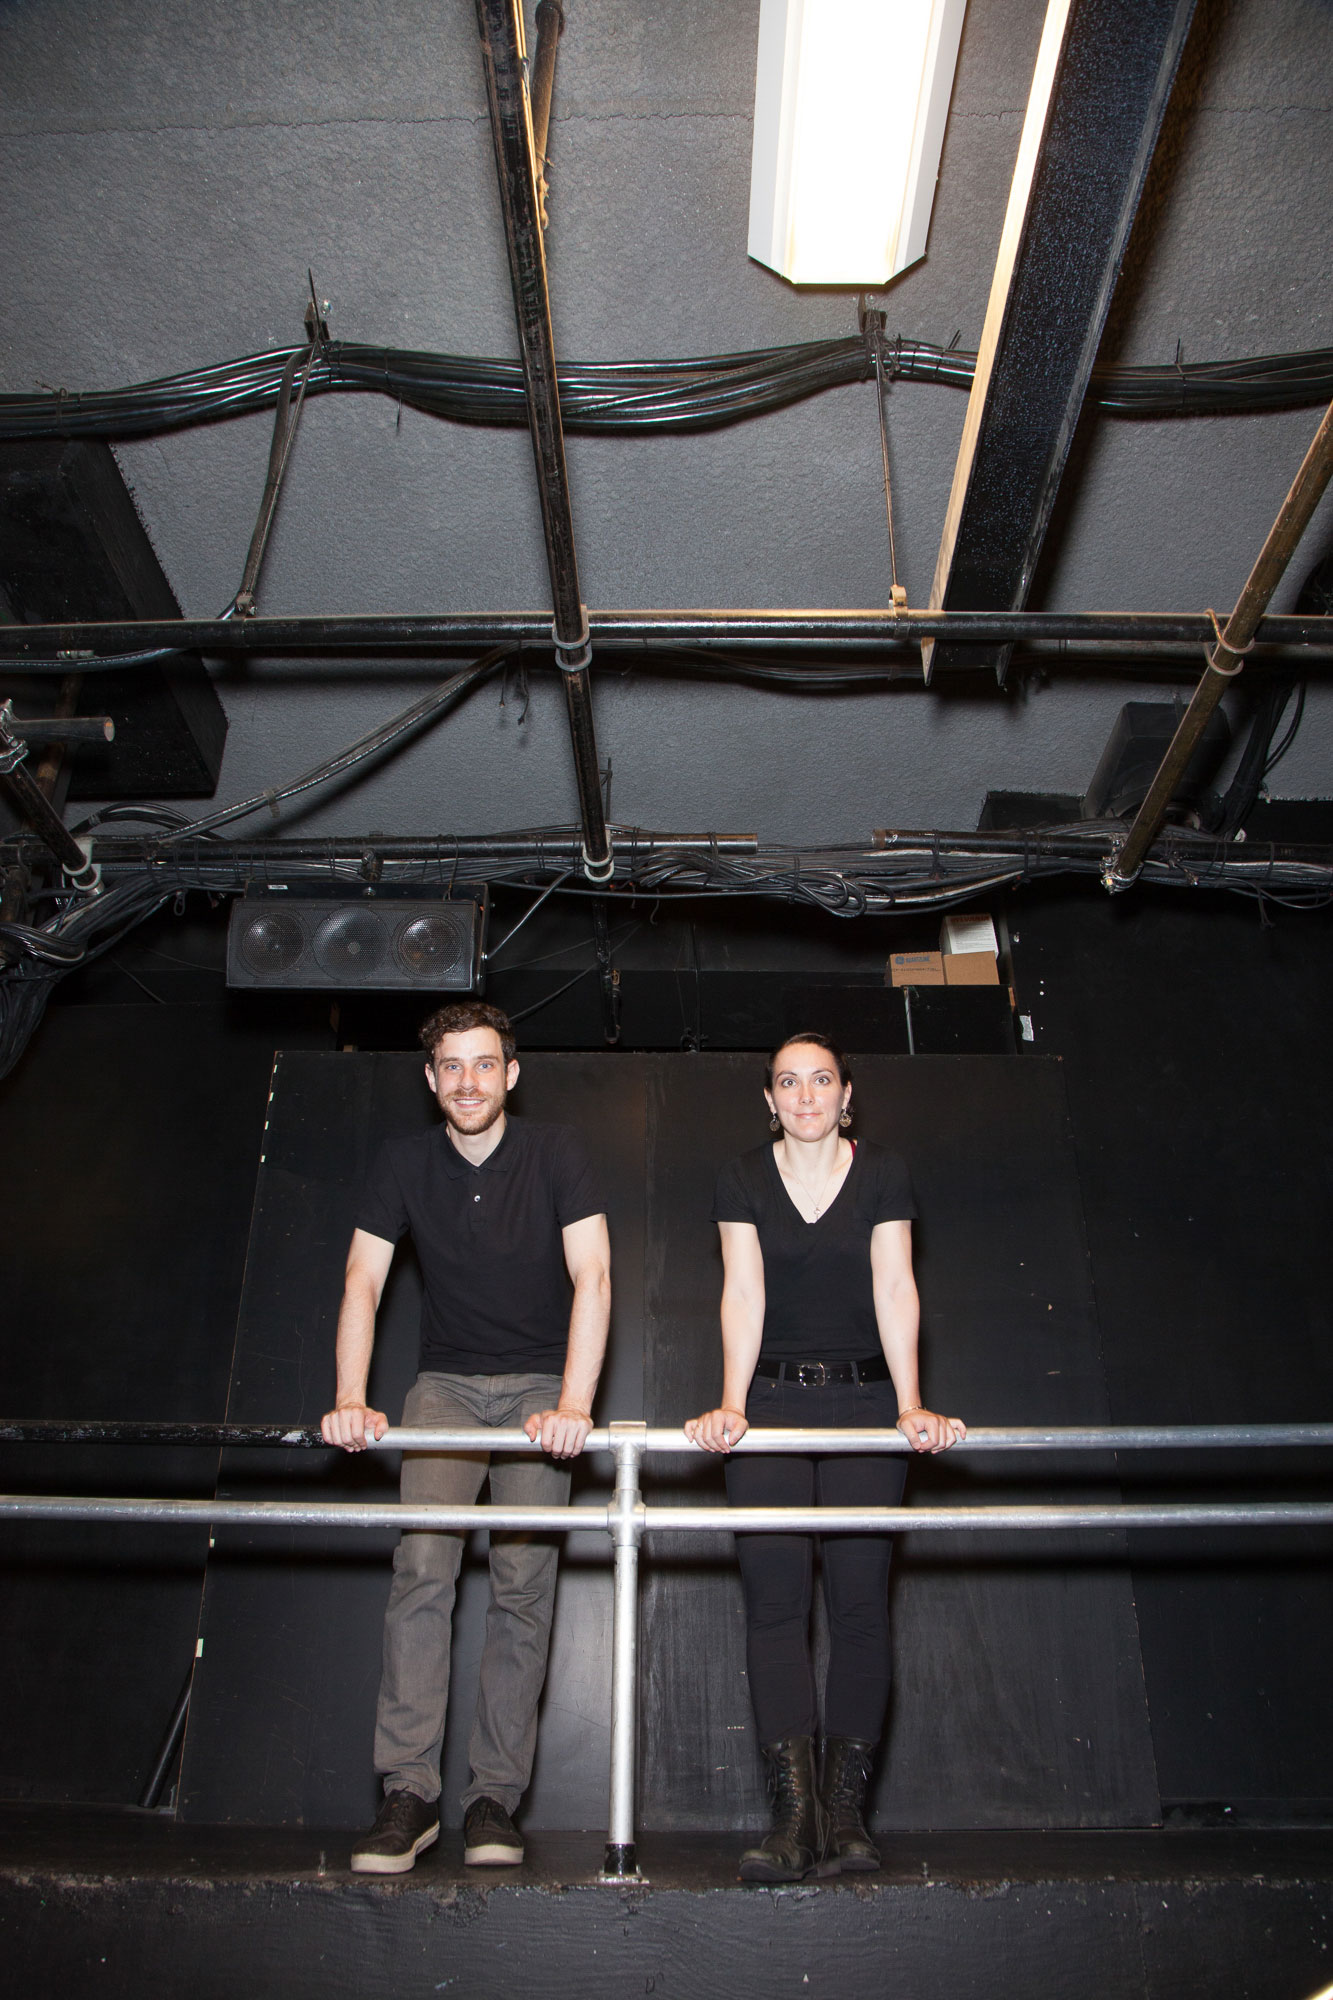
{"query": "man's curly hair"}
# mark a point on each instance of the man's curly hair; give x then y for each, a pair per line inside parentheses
(465, 1014)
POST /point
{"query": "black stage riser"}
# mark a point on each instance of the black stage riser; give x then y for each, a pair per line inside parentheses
(967, 1940)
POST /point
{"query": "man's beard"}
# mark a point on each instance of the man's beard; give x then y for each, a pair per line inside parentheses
(484, 1115)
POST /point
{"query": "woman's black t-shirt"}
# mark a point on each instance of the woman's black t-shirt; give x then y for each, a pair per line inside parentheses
(818, 1298)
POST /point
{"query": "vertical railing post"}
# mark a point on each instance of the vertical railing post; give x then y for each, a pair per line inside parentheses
(628, 1442)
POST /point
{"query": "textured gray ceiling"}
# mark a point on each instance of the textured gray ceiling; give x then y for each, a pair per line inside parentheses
(168, 171)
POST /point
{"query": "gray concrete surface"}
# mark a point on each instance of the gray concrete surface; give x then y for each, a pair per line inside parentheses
(168, 172)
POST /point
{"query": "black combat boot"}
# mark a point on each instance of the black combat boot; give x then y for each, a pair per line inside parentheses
(794, 1845)
(843, 1794)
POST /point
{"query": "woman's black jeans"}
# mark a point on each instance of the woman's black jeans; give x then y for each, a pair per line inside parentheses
(777, 1570)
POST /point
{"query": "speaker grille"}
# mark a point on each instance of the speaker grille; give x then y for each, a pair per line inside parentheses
(351, 944)
(388, 942)
(272, 942)
(433, 946)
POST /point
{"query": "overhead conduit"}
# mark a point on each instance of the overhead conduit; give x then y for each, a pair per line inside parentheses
(633, 396)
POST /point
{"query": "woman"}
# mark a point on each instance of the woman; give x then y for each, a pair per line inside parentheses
(819, 1332)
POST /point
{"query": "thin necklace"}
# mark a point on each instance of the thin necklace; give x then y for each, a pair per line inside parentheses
(818, 1206)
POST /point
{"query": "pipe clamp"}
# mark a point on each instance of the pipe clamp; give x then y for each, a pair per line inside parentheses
(599, 871)
(573, 655)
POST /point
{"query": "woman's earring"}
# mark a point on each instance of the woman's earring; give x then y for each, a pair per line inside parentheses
(845, 1119)
(775, 1123)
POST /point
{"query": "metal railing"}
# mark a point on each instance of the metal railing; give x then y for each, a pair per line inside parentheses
(627, 1517)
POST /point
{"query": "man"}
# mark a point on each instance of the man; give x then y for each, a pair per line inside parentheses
(505, 1216)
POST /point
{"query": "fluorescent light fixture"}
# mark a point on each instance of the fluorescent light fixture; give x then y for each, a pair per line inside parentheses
(850, 102)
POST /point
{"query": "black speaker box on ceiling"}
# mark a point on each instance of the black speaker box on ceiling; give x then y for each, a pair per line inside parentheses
(383, 940)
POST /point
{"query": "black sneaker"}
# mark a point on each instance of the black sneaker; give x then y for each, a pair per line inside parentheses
(490, 1838)
(404, 1825)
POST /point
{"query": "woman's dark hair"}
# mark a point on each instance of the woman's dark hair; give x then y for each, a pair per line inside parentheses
(840, 1062)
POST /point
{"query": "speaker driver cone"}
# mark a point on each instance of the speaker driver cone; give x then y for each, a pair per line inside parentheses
(429, 947)
(351, 943)
(273, 941)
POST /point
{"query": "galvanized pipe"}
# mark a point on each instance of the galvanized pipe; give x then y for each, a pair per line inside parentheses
(1086, 1437)
(325, 1514)
(910, 1520)
(1227, 657)
(625, 1520)
(501, 25)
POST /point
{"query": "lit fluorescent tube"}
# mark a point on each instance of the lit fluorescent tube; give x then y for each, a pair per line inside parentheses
(851, 98)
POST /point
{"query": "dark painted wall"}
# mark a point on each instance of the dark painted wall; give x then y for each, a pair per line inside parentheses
(1019, 1690)
(1198, 1079)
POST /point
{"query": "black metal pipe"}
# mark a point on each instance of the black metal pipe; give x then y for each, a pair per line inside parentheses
(169, 853)
(225, 866)
(1227, 657)
(113, 1431)
(64, 728)
(98, 647)
(550, 18)
(501, 27)
(171, 1742)
(36, 810)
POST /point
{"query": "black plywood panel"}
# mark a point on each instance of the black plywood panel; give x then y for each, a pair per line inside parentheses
(72, 546)
(1019, 1696)
(1200, 1078)
(283, 1716)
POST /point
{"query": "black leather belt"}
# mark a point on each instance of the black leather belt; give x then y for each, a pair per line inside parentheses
(822, 1374)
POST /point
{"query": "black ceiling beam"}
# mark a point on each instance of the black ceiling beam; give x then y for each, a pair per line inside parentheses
(1103, 77)
(92, 647)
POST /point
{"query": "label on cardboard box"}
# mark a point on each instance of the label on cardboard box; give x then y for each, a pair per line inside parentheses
(971, 968)
(916, 968)
(968, 932)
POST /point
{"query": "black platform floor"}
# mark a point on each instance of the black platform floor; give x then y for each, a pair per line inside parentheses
(113, 1903)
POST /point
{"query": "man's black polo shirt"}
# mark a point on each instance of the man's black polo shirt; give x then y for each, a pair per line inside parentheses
(497, 1291)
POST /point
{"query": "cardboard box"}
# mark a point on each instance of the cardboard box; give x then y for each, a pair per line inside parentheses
(968, 931)
(916, 968)
(971, 968)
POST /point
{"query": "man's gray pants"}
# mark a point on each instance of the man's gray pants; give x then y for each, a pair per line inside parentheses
(414, 1689)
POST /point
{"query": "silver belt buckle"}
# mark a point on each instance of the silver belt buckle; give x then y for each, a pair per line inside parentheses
(812, 1375)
